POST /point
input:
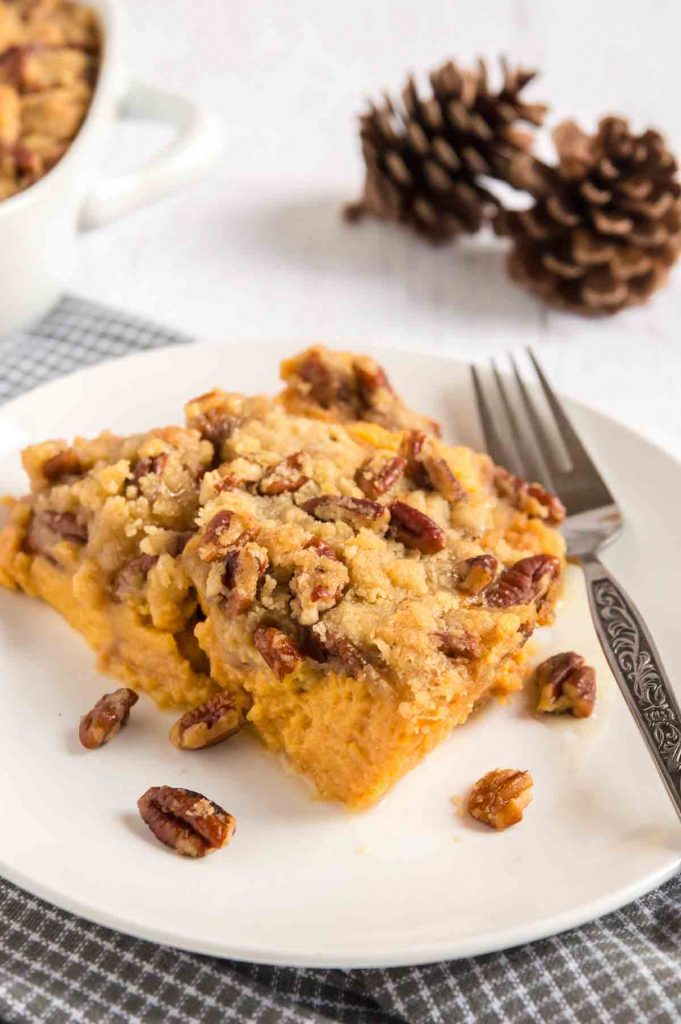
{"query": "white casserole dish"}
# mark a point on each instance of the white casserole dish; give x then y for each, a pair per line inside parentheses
(38, 227)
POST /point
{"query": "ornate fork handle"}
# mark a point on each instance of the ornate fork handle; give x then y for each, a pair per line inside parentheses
(638, 669)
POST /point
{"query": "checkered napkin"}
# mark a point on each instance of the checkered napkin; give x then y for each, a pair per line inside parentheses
(60, 969)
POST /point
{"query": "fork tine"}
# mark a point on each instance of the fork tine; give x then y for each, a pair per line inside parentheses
(574, 447)
(493, 442)
(528, 463)
(538, 430)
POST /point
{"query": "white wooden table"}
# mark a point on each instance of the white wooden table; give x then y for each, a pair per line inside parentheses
(257, 250)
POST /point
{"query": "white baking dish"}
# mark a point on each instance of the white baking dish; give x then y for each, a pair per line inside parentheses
(38, 227)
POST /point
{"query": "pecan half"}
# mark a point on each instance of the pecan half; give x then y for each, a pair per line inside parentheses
(327, 642)
(456, 642)
(211, 723)
(378, 474)
(527, 580)
(356, 512)
(244, 569)
(475, 574)
(278, 650)
(565, 683)
(150, 465)
(415, 529)
(533, 499)
(107, 718)
(64, 463)
(222, 532)
(187, 822)
(287, 475)
(499, 798)
(47, 528)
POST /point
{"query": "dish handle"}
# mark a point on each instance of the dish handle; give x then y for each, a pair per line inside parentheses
(196, 146)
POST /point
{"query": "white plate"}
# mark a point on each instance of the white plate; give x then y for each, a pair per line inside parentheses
(305, 882)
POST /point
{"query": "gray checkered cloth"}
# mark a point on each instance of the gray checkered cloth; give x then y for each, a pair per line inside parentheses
(60, 969)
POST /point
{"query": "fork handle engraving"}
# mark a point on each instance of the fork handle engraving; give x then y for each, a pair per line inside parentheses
(638, 669)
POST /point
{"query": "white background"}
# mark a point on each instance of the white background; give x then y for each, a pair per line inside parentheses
(257, 249)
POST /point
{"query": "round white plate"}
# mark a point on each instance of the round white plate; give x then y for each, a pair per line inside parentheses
(306, 882)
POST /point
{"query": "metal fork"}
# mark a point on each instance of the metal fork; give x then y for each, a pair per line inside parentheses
(593, 520)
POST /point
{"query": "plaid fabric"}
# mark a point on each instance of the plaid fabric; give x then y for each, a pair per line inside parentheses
(59, 969)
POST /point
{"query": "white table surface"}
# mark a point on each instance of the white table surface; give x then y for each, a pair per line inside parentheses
(257, 250)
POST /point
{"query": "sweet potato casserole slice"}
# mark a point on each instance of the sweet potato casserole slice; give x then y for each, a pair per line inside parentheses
(357, 584)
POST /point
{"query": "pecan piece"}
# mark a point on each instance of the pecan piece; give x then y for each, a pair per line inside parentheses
(427, 470)
(47, 528)
(244, 569)
(412, 449)
(287, 475)
(441, 478)
(532, 499)
(64, 463)
(527, 580)
(356, 512)
(211, 723)
(371, 379)
(178, 541)
(499, 798)
(222, 532)
(107, 718)
(132, 576)
(475, 574)
(322, 547)
(150, 465)
(415, 529)
(456, 642)
(316, 587)
(378, 474)
(565, 683)
(188, 822)
(277, 649)
(327, 642)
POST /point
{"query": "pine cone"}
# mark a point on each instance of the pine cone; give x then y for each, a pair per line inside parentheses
(605, 227)
(424, 158)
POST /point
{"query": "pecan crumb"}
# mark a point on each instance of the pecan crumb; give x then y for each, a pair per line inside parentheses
(187, 822)
(499, 798)
(415, 529)
(565, 683)
(211, 723)
(150, 466)
(221, 533)
(287, 475)
(278, 650)
(244, 570)
(459, 643)
(107, 718)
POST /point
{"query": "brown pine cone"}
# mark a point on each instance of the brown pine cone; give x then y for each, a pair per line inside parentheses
(605, 227)
(425, 158)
